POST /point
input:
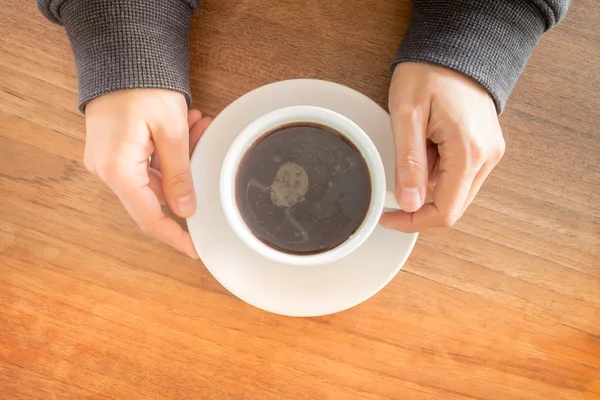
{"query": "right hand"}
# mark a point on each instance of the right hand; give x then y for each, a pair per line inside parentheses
(125, 128)
(447, 136)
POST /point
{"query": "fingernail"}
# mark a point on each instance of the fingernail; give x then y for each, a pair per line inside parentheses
(185, 205)
(410, 199)
(193, 256)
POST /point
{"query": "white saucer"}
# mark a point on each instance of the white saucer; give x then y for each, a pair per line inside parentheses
(279, 288)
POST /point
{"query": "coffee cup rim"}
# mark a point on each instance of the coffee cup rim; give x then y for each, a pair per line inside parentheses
(298, 114)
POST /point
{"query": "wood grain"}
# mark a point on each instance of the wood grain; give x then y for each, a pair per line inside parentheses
(504, 306)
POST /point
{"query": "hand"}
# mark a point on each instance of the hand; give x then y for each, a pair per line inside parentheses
(447, 135)
(125, 128)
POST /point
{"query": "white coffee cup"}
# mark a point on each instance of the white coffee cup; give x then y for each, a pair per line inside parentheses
(380, 198)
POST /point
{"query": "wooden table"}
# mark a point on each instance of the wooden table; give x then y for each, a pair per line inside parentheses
(504, 306)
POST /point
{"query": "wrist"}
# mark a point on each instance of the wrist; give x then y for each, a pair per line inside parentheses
(136, 101)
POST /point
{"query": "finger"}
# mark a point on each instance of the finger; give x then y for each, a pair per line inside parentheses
(409, 125)
(432, 165)
(155, 161)
(480, 178)
(449, 198)
(193, 117)
(197, 125)
(143, 206)
(434, 174)
(172, 145)
(197, 131)
(155, 184)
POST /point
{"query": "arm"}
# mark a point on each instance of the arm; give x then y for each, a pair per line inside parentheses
(126, 44)
(488, 41)
(451, 77)
(132, 66)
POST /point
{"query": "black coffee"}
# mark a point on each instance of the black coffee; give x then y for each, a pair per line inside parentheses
(303, 189)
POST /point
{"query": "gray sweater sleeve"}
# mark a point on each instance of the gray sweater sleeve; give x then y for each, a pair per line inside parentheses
(487, 40)
(126, 44)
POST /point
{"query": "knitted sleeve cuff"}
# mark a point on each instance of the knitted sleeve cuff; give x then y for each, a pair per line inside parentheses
(489, 41)
(128, 44)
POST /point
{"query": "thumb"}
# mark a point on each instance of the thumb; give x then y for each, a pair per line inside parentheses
(409, 128)
(172, 146)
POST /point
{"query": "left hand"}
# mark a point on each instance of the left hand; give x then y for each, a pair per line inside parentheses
(123, 129)
(447, 135)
